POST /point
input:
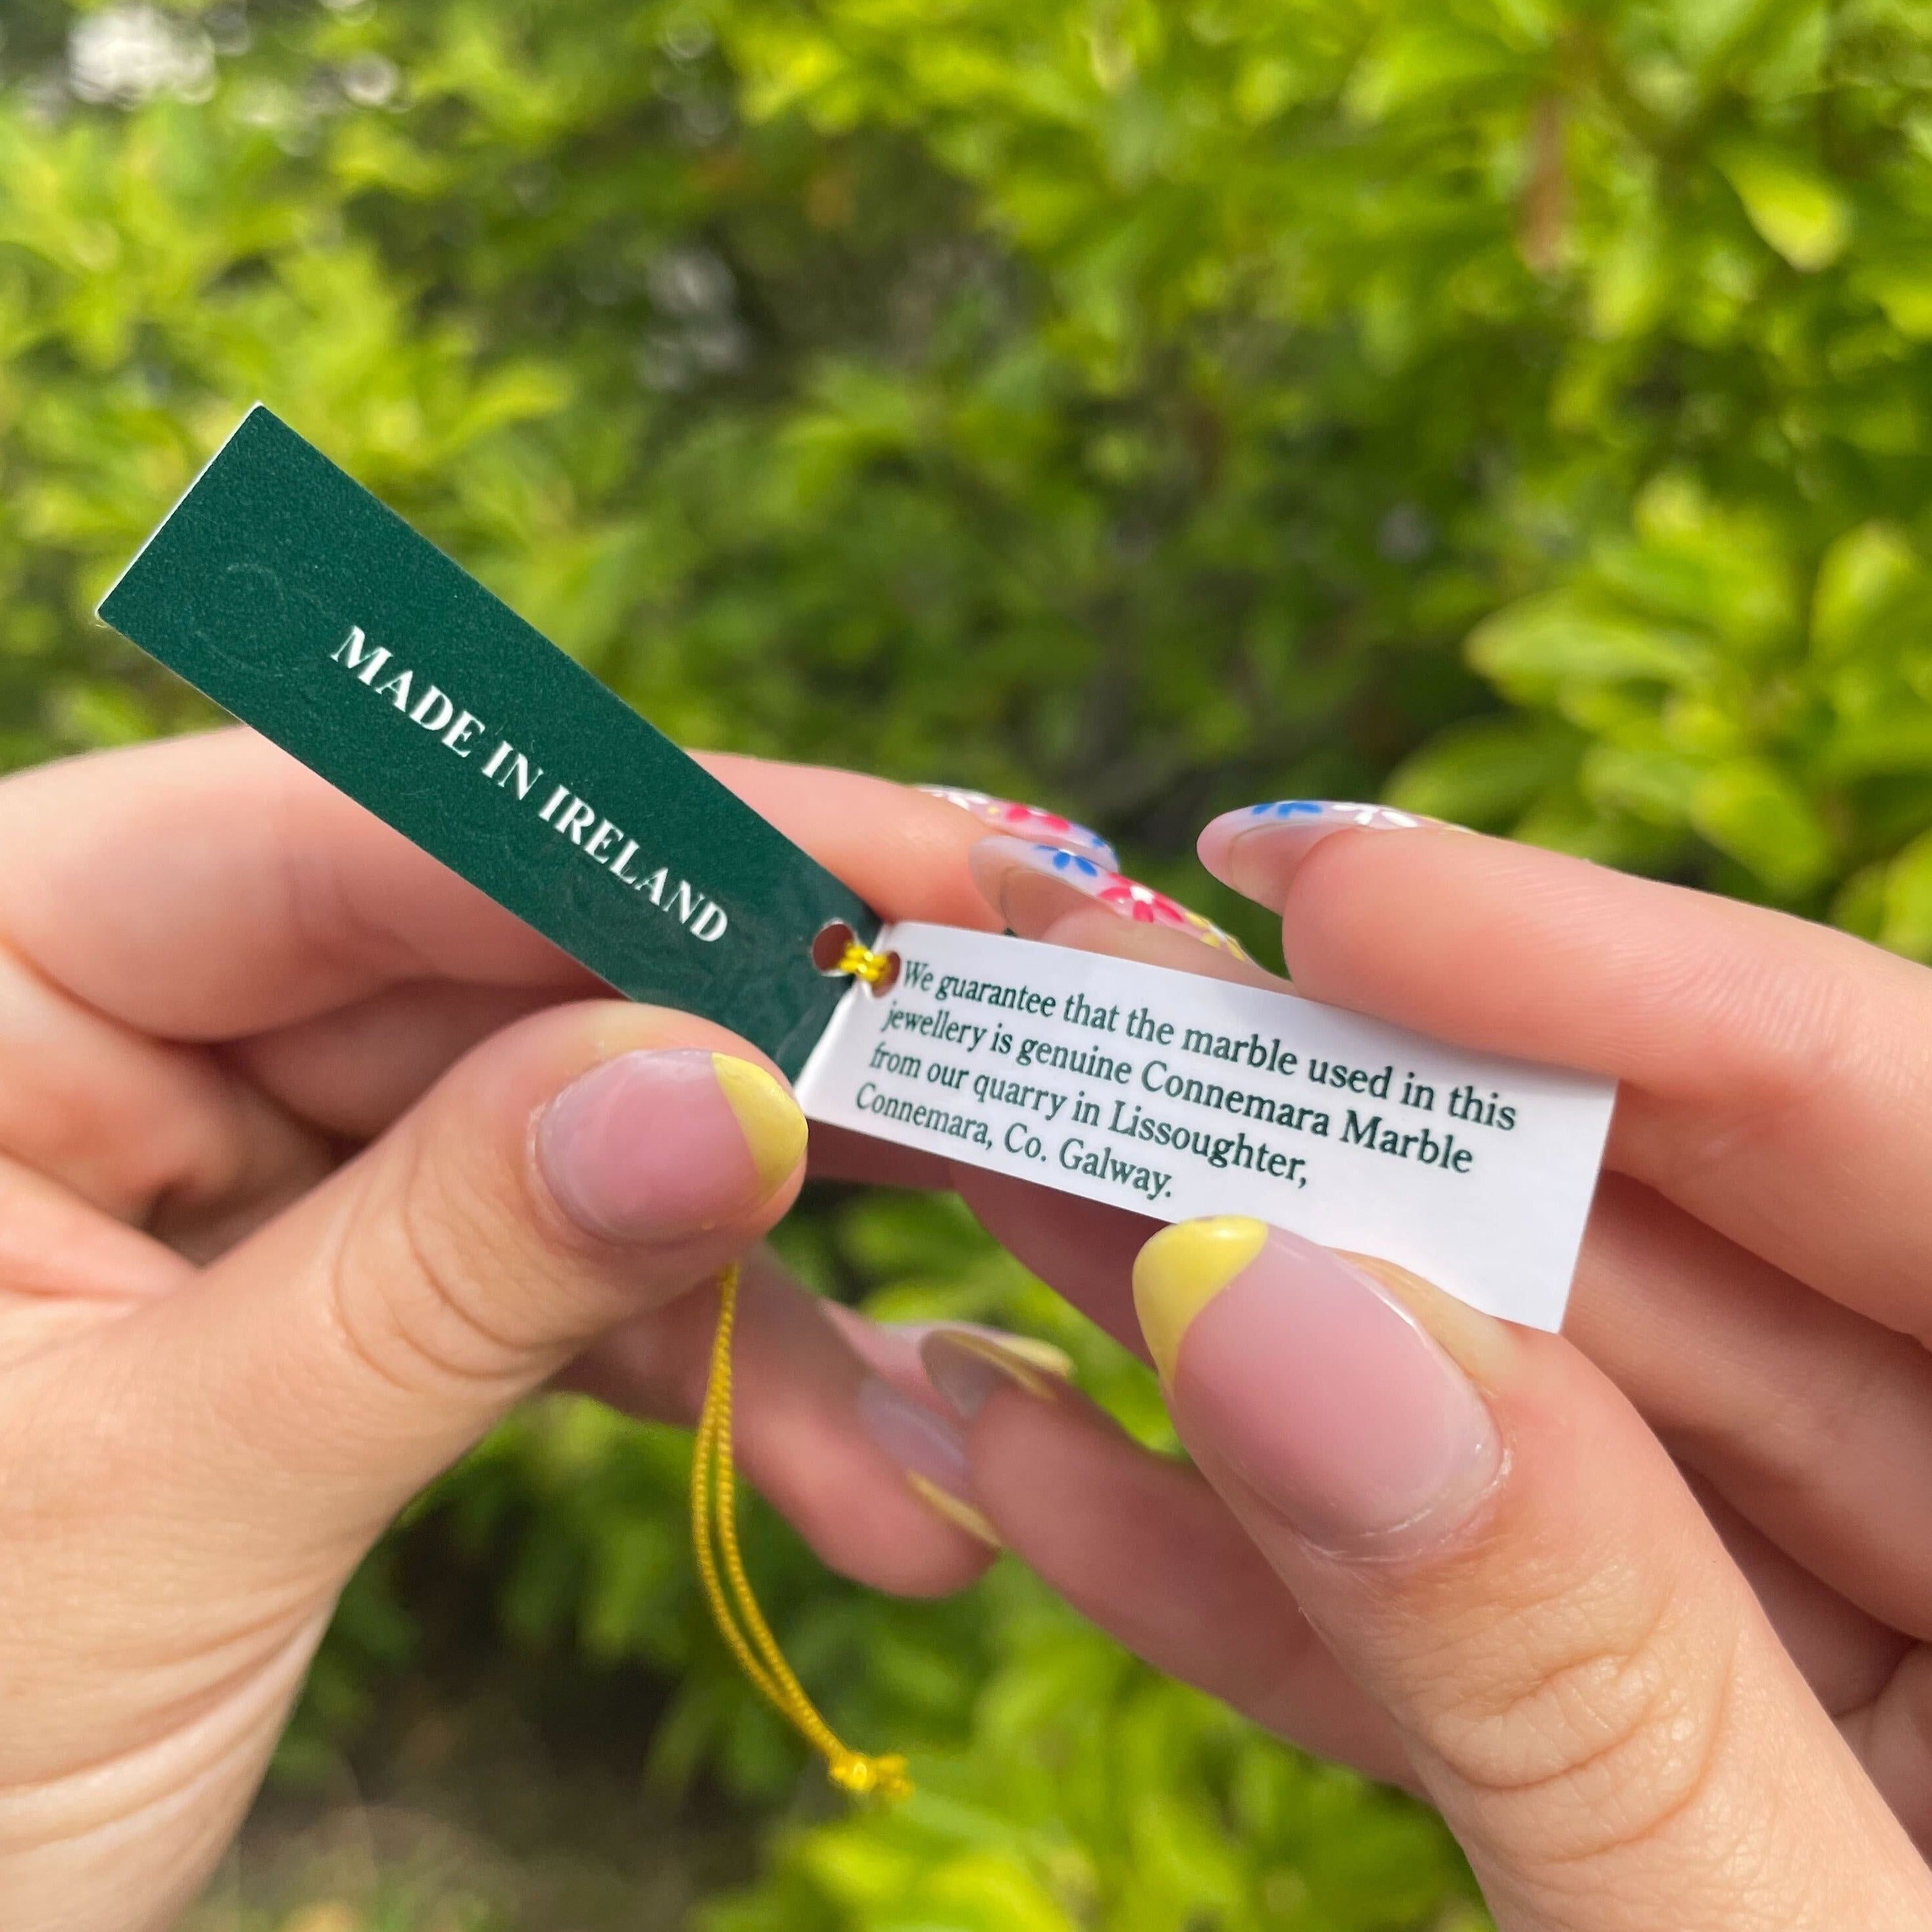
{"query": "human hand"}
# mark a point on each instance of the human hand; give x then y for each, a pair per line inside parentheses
(1644, 1609)
(312, 1163)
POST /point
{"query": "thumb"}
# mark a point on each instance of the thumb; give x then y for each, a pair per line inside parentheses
(587, 1164)
(1500, 1552)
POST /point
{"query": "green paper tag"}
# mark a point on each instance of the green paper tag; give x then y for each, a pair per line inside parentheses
(290, 595)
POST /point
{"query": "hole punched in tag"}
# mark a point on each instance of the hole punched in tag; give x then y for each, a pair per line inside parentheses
(838, 952)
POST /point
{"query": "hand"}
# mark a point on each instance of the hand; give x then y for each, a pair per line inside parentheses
(1680, 1680)
(312, 1163)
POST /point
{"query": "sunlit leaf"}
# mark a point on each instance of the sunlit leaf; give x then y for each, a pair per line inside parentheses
(1796, 208)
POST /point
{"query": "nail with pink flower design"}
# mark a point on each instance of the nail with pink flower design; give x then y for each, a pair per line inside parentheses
(1257, 848)
(1126, 899)
(1028, 821)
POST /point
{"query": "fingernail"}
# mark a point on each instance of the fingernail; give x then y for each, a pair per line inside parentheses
(768, 1117)
(1256, 848)
(929, 1451)
(1322, 1392)
(966, 1365)
(994, 857)
(1028, 821)
(657, 1146)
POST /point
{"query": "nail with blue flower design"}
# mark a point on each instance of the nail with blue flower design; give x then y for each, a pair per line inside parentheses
(1257, 848)
(1028, 821)
(996, 861)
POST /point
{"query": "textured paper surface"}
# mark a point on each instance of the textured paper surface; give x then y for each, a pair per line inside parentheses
(1174, 1096)
(284, 590)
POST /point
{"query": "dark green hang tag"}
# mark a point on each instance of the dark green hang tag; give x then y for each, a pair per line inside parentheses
(284, 590)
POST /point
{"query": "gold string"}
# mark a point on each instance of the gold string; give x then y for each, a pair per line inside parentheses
(862, 963)
(714, 1524)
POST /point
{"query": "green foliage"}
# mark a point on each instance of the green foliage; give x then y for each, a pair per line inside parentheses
(1516, 409)
(1089, 1792)
(1136, 404)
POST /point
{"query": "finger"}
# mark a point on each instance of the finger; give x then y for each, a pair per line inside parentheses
(1082, 1249)
(1808, 1457)
(137, 1127)
(208, 888)
(1085, 1252)
(1260, 867)
(901, 850)
(350, 1072)
(1802, 1414)
(1846, 1655)
(1773, 1070)
(212, 888)
(1044, 892)
(798, 1432)
(1500, 1554)
(839, 1154)
(1808, 1419)
(1891, 1736)
(1142, 1546)
(237, 1444)
(1812, 1422)
(592, 1163)
(55, 1248)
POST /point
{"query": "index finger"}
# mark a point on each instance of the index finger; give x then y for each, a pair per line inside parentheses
(210, 888)
(1773, 1071)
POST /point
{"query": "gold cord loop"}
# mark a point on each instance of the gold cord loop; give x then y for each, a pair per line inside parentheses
(862, 963)
(720, 1568)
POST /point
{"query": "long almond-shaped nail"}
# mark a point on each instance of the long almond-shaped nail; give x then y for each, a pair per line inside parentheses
(1322, 1392)
(659, 1146)
(1028, 821)
(992, 860)
(930, 1452)
(1257, 848)
(966, 1365)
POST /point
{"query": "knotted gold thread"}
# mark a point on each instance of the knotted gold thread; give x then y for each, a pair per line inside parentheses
(720, 1568)
(862, 963)
(714, 1534)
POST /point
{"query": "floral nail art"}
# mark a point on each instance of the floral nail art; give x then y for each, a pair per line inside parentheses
(1126, 897)
(1232, 847)
(1331, 812)
(1027, 821)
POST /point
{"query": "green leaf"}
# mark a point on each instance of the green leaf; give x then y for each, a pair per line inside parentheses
(1648, 782)
(1541, 644)
(1752, 812)
(1486, 773)
(1905, 922)
(1902, 288)
(1418, 62)
(1799, 211)
(1865, 577)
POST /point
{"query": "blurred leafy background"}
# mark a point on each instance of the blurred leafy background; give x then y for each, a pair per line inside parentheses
(1520, 410)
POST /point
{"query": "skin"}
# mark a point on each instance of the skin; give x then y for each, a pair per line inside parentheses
(275, 1248)
(1670, 1666)
(267, 1078)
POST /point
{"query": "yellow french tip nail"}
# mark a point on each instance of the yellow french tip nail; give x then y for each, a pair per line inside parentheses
(1181, 1270)
(768, 1117)
(962, 1515)
(1031, 1364)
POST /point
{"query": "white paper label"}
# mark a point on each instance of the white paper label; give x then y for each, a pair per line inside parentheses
(1174, 1096)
